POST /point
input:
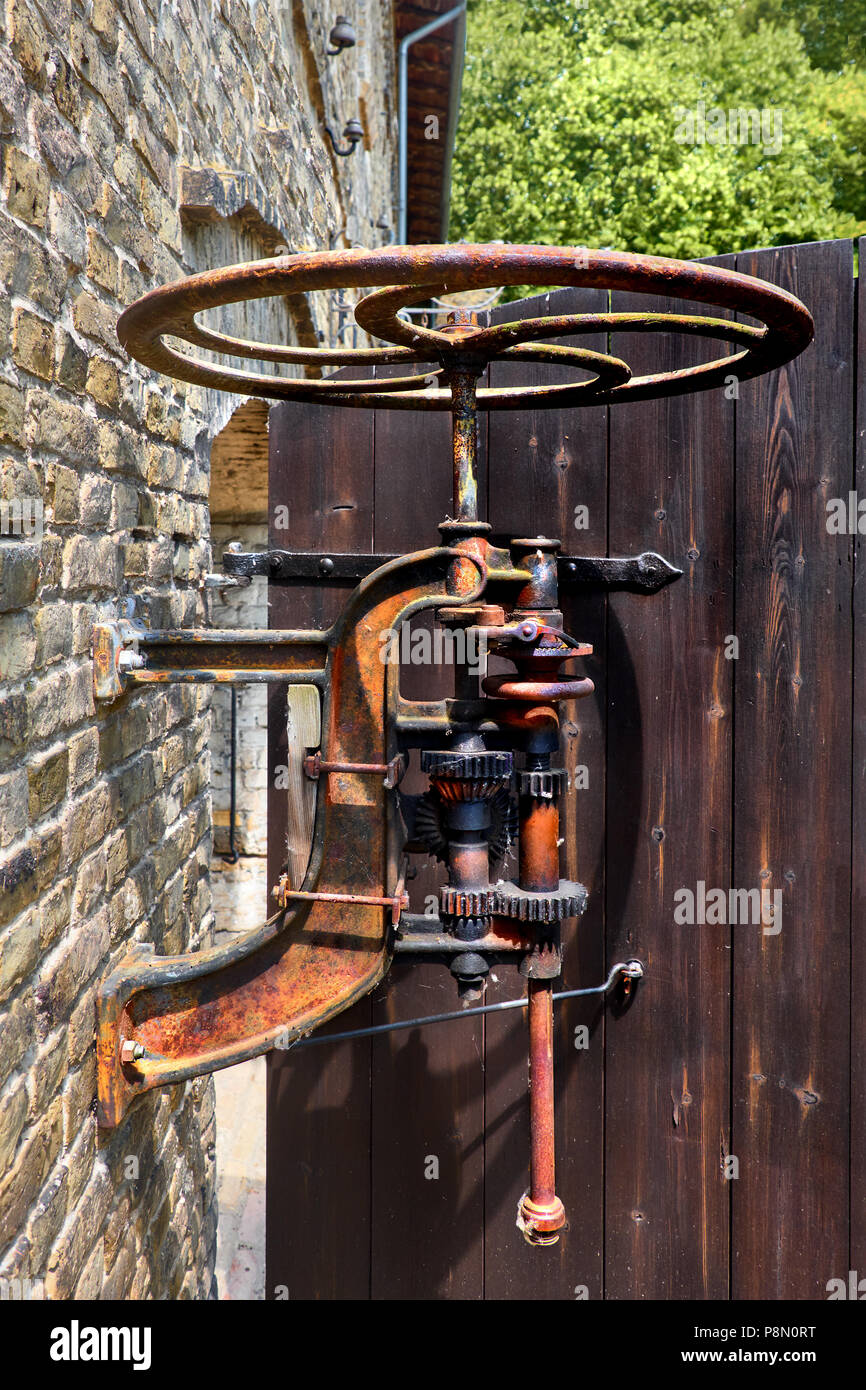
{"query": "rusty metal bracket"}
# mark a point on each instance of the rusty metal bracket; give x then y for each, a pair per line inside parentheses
(115, 652)
(643, 574)
(126, 654)
(164, 1019)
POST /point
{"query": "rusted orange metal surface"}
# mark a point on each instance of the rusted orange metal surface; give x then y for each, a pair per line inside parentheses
(542, 1215)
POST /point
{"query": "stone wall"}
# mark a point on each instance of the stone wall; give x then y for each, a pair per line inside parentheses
(239, 890)
(106, 112)
(242, 608)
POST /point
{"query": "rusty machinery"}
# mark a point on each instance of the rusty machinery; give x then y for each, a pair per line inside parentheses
(489, 751)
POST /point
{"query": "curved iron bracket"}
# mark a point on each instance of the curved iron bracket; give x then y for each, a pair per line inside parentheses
(164, 1019)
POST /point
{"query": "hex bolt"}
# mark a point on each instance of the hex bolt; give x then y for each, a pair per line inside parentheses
(130, 1051)
(129, 661)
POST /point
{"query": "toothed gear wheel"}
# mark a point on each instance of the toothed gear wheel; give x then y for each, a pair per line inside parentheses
(468, 789)
(478, 767)
(546, 785)
(504, 820)
(428, 827)
(467, 929)
(466, 902)
(511, 901)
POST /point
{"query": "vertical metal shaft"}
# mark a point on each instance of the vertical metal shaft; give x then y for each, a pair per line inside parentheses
(542, 1215)
(538, 845)
(465, 443)
(542, 1189)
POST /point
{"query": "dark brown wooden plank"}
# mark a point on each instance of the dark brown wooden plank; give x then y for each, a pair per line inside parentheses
(792, 796)
(668, 827)
(427, 1103)
(857, 1259)
(318, 1128)
(350, 1210)
(543, 465)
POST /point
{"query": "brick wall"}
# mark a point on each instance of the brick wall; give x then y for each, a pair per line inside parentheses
(105, 817)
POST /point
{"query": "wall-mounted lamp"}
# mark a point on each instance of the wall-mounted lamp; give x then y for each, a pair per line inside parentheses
(341, 36)
(353, 131)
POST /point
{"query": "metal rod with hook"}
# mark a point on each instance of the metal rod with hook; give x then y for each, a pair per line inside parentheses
(628, 970)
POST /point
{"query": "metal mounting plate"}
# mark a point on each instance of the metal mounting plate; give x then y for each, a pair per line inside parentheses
(644, 574)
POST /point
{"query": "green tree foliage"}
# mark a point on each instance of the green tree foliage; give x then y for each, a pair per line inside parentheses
(834, 31)
(575, 124)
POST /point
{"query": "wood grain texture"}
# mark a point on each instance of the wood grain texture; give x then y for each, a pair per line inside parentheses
(857, 1258)
(318, 1227)
(668, 827)
(792, 813)
(737, 773)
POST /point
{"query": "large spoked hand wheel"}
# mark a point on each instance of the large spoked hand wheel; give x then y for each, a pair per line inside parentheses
(402, 276)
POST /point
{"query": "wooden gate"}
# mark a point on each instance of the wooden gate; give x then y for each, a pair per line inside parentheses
(711, 1138)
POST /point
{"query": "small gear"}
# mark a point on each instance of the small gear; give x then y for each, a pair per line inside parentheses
(545, 785)
(569, 900)
(477, 767)
(467, 929)
(466, 902)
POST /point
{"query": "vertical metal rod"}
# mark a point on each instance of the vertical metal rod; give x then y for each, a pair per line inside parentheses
(464, 419)
(542, 1215)
(538, 845)
(543, 1185)
(232, 857)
